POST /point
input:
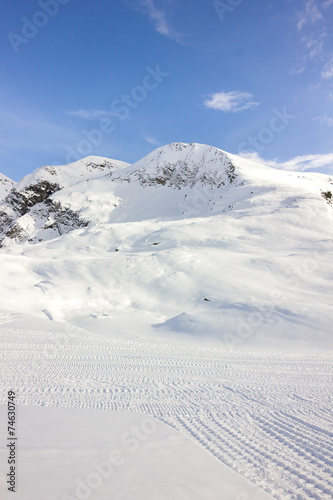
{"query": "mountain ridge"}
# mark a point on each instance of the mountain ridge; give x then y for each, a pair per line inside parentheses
(176, 166)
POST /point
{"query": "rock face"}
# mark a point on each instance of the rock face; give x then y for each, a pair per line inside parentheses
(23, 201)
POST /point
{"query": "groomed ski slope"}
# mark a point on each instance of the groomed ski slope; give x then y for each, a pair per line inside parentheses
(266, 416)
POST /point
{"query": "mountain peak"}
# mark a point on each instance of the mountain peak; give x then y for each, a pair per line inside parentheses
(178, 165)
(66, 175)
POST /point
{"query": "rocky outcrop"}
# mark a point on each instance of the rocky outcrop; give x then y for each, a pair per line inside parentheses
(327, 195)
(62, 219)
(23, 201)
(23, 212)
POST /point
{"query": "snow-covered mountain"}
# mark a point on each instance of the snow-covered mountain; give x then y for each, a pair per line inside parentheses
(29, 206)
(189, 239)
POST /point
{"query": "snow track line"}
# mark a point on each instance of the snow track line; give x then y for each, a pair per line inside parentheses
(267, 416)
(318, 446)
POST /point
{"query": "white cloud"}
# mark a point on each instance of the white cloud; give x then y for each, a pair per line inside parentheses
(328, 70)
(313, 22)
(313, 87)
(159, 18)
(306, 163)
(230, 102)
(314, 45)
(325, 120)
(157, 15)
(310, 15)
(151, 140)
(90, 114)
(297, 71)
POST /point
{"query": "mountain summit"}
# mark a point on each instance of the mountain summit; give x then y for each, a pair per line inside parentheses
(190, 239)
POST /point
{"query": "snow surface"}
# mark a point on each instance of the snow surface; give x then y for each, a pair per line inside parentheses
(267, 417)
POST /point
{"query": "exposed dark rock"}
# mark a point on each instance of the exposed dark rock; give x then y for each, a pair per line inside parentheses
(23, 200)
(5, 222)
(64, 219)
(327, 195)
(230, 171)
(180, 175)
(17, 233)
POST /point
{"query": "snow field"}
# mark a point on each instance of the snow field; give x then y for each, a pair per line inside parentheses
(267, 416)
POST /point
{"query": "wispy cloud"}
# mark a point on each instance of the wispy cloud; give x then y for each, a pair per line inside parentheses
(312, 22)
(230, 102)
(314, 44)
(307, 163)
(309, 15)
(325, 120)
(158, 16)
(151, 140)
(328, 70)
(313, 87)
(298, 71)
(90, 114)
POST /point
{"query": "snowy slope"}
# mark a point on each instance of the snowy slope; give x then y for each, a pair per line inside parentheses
(190, 241)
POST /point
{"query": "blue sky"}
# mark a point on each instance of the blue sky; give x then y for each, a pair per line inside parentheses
(119, 78)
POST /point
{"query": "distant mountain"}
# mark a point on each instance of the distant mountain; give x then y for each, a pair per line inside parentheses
(190, 239)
